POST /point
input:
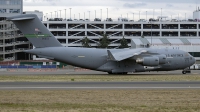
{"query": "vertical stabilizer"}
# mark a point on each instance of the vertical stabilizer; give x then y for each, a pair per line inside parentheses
(35, 31)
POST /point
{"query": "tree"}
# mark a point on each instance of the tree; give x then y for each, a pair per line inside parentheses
(124, 43)
(85, 42)
(104, 41)
(142, 36)
(1, 59)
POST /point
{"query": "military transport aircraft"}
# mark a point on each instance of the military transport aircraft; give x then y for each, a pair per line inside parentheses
(113, 61)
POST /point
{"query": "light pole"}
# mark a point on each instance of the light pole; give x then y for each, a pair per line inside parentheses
(95, 13)
(153, 13)
(101, 13)
(89, 15)
(55, 14)
(139, 15)
(65, 14)
(46, 16)
(178, 17)
(70, 12)
(60, 13)
(84, 15)
(151, 31)
(107, 12)
(185, 16)
(161, 14)
(146, 15)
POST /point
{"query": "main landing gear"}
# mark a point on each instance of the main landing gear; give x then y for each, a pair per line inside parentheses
(186, 71)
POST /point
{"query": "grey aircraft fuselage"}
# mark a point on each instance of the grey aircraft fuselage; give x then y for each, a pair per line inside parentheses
(97, 59)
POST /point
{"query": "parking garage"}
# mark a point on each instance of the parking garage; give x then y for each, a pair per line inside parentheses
(95, 26)
(151, 26)
(132, 33)
(57, 26)
(76, 33)
(94, 33)
(188, 33)
(132, 26)
(59, 33)
(170, 33)
(62, 41)
(113, 26)
(188, 26)
(170, 26)
(153, 33)
(76, 26)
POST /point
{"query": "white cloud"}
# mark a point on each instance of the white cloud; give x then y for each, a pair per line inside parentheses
(116, 8)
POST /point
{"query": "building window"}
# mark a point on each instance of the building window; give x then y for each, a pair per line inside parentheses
(10, 2)
(14, 10)
(2, 10)
(15, 2)
(195, 54)
(3, 2)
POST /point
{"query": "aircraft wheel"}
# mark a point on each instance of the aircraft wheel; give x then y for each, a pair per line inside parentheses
(110, 73)
(184, 72)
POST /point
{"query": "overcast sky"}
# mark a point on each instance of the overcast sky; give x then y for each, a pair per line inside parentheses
(116, 8)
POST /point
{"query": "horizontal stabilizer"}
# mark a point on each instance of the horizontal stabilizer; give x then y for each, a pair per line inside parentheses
(20, 19)
(125, 54)
(41, 56)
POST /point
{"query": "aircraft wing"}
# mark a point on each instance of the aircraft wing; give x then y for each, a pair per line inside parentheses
(125, 54)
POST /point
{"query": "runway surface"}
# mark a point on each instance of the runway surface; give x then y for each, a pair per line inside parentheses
(88, 72)
(96, 85)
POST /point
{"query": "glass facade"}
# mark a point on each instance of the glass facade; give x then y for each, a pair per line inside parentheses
(2, 10)
(3, 2)
(10, 2)
(195, 54)
(15, 2)
(14, 11)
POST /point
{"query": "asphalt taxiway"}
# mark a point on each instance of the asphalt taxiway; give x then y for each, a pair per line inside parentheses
(96, 85)
(86, 72)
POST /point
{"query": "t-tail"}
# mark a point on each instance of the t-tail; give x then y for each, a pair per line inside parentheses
(35, 31)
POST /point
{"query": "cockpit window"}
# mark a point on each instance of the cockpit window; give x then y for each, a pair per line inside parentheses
(187, 54)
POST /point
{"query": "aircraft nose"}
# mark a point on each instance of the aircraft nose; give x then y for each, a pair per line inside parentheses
(194, 60)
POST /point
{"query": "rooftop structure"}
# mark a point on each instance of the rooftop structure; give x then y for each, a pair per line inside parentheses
(10, 8)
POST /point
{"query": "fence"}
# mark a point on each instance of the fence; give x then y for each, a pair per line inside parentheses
(26, 67)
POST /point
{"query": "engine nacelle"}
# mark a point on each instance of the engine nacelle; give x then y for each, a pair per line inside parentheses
(148, 61)
(162, 59)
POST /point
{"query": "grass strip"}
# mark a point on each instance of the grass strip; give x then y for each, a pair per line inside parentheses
(100, 100)
(82, 78)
